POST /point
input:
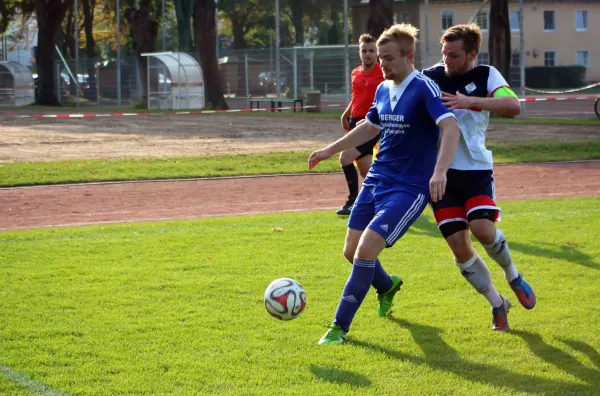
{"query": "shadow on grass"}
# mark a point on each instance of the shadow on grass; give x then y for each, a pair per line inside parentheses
(337, 376)
(426, 226)
(438, 355)
(562, 360)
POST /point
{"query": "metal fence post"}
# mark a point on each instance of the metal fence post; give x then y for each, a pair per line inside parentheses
(98, 84)
(247, 78)
(522, 60)
(295, 73)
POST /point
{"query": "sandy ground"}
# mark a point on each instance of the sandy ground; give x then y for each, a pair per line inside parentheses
(198, 135)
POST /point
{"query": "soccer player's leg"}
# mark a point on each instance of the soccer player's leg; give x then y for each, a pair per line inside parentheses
(347, 159)
(482, 214)
(365, 158)
(451, 219)
(363, 269)
(396, 212)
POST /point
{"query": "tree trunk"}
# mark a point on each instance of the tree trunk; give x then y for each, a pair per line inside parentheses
(68, 49)
(378, 20)
(49, 15)
(207, 40)
(239, 41)
(499, 43)
(90, 47)
(297, 17)
(183, 12)
(145, 30)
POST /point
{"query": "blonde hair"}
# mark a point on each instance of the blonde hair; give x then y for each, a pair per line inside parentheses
(403, 34)
(366, 38)
(469, 34)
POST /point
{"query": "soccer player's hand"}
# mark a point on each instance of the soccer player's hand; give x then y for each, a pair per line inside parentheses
(316, 157)
(458, 101)
(437, 186)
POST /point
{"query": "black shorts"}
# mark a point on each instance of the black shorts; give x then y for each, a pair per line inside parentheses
(365, 148)
(467, 191)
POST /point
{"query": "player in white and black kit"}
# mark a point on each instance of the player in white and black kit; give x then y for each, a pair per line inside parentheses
(472, 92)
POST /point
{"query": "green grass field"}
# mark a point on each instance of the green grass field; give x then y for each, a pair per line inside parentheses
(176, 308)
(33, 173)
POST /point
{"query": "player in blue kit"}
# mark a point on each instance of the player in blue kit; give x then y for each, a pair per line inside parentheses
(408, 111)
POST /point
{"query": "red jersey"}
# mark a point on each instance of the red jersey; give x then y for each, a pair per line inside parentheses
(364, 85)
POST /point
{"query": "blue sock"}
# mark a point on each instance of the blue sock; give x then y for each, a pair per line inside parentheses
(381, 280)
(356, 289)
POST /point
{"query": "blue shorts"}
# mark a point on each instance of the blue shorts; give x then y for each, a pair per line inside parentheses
(387, 212)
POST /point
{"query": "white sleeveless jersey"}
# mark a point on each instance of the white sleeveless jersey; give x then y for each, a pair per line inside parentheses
(482, 81)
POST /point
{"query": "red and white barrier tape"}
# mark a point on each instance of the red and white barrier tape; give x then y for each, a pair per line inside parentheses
(565, 91)
(246, 110)
(553, 98)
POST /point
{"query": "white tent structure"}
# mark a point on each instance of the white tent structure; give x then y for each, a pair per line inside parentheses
(174, 81)
(16, 85)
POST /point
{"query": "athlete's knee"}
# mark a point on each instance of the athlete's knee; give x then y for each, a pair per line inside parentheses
(364, 164)
(347, 157)
(349, 252)
(484, 230)
(460, 245)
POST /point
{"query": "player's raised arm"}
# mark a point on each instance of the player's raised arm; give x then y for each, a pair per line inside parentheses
(502, 99)
(359, 135)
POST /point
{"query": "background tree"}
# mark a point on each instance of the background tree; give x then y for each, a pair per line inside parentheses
(381, 16)
(499, 43)
(207, 45)
(145, 30)
(49, 14)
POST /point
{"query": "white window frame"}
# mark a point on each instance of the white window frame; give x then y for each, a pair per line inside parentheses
(553, 21)
(487, 20)
(554, 58)
(587, 23)
(453, 13)
(587, 58)
(516, 29)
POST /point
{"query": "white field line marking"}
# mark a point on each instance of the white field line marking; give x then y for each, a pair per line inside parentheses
(28, 383)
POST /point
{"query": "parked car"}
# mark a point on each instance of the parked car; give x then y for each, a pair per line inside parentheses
(267, 81)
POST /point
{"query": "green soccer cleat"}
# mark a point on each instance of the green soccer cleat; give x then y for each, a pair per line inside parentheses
(335, 336)
(386, 299)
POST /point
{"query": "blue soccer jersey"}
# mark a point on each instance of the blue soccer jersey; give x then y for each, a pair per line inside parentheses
(408, 116)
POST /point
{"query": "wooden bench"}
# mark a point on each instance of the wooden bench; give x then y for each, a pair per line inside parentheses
(277, 103)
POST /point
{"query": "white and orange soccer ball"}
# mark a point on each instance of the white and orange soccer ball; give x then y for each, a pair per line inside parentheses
(285, 298)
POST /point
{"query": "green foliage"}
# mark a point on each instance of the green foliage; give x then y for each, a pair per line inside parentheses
(32, 173)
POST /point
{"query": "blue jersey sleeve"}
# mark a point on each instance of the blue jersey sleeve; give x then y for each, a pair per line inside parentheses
(436, 108)
(373, 114)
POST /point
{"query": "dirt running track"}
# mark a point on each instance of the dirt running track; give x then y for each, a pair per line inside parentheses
(84, 204)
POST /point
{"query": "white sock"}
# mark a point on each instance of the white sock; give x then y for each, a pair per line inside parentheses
(500, 253)
(478, 275)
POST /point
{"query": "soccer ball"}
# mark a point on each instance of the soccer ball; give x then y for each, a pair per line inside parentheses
(285, 299)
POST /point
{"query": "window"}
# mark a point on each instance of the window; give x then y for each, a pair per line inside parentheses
(483, 58)
(582, 59)
(515, 60)
(549, 21)
(550, 58)
(482, 20)
(514, 21)
(447, 20)
(581, 21)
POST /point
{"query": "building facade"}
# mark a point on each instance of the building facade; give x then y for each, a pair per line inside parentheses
(556, 33)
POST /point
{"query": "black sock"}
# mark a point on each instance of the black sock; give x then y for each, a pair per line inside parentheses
(352, 180)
